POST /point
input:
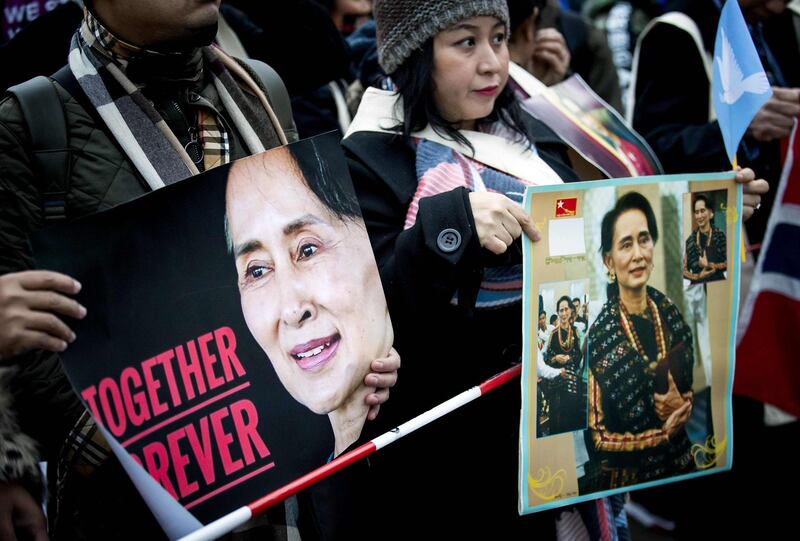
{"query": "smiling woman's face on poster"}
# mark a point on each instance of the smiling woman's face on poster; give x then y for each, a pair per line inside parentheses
(310, 291)
(631, 254)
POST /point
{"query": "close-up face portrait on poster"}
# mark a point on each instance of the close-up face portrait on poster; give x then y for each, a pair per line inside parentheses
(234, 320)
(630, 386)
(309, 287)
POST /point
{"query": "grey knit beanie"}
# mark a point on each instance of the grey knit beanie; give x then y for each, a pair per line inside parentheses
(405, 25)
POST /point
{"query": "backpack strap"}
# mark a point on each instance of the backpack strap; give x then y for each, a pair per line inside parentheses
(44, 115)
(278, 95)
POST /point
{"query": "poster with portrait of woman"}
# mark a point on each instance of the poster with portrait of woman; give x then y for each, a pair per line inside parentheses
(630, 385)
(560, 364)
(232, 319)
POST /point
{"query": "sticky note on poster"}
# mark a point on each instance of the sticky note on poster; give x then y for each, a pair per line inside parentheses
(565, 237)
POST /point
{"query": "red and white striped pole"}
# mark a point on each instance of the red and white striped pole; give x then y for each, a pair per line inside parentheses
(236, 518)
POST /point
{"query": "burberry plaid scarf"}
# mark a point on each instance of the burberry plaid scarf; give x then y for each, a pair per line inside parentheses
(100, 63)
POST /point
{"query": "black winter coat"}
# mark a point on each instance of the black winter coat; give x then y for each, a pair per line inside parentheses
(457, 477)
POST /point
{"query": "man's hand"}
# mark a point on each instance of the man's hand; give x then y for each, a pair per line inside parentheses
(383, 377)
(551, 58)
(775, 119)
(21, 518)
(752, 190)
(30, 305)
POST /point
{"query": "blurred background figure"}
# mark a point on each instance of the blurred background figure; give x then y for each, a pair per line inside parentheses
(622, 22)
(588, 47)
(671, 89)
(541, 51)
(348, 15)
(316, 74)
(670, 107)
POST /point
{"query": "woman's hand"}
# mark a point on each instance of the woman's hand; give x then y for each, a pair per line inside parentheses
(561, 358)
(383, 377)
(753, 190)
(30, 305)
(499, 220)
(678, 419)
(666, 404)
(706, 272)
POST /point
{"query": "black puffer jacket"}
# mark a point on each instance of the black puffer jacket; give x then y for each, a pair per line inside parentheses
(100, 177)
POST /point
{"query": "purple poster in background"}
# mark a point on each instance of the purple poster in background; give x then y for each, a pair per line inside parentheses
(19, 13)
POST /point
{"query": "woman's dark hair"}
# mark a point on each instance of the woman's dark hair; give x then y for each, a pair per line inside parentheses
(328, 179)
(414, 80)
(562, 299)
(629, 201)
(701, 197)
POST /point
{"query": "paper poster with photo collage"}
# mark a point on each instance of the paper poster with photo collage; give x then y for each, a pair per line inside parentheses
(630, 304)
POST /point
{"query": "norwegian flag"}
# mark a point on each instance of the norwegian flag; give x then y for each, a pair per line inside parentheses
(767, 359)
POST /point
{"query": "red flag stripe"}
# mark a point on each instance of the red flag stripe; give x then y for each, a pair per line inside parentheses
(767, 368)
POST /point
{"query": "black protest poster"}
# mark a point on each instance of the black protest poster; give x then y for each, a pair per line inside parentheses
(228, 315)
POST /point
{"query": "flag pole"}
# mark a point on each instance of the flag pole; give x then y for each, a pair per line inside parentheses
(742, 248)
(236, 518)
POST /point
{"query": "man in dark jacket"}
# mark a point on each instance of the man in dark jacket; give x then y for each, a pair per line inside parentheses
(147, 103)
(151, 57)
(672, 105)
(672, 111)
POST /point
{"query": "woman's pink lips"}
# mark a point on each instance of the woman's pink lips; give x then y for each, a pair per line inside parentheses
(638, 271)
(308, 359)
(488, 91)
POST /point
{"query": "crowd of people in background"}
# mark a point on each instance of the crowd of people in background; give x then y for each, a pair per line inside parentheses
(148, 89)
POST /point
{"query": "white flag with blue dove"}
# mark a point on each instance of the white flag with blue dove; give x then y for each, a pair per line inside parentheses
(740, 86)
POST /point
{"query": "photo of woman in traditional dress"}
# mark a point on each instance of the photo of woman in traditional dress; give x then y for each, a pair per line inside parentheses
(564, 393)
(640, 355)
(706, 256)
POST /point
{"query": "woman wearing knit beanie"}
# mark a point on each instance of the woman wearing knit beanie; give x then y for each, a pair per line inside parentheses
(440, 166)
